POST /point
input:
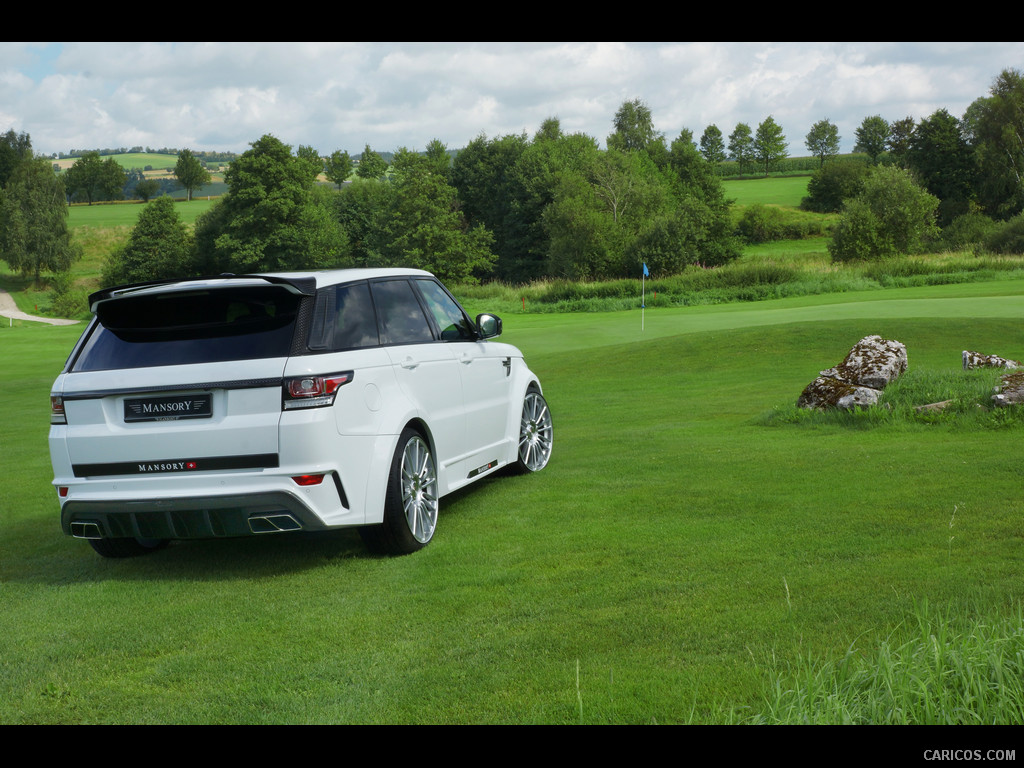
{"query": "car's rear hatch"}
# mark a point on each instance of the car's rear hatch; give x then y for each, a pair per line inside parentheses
(181, 378)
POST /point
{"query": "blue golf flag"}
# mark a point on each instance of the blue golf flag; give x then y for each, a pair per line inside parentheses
(646, 273)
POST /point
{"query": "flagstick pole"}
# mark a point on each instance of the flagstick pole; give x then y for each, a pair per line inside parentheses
(643, 302)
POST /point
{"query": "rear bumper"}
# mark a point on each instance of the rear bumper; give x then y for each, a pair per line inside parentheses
(225, 502)
(200, 517)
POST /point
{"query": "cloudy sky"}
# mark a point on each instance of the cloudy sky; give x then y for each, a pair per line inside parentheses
(223, 96)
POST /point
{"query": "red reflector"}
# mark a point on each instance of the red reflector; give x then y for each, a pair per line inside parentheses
(331, 383)
(62, 491)
(308, 479)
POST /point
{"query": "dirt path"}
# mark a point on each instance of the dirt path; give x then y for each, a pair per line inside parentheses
(9, 309)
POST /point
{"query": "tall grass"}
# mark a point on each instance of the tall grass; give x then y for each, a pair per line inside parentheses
(969, 394)
(950, 670)
(754, 278)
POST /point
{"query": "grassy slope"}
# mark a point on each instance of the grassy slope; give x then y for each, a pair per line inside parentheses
(785, 191)
(675, 549)
(126, 214)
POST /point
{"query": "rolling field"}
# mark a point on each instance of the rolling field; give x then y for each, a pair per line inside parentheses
(126, 214)
(785, 191)
(676, 559)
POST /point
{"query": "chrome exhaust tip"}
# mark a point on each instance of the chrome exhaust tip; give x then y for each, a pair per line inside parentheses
(278, 523)
(86, 531)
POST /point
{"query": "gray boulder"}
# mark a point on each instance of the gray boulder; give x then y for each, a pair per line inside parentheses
(858, 381)
(978, 360)
(1010, 391)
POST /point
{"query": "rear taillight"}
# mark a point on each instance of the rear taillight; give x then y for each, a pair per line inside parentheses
(57, 410)
(313, 391)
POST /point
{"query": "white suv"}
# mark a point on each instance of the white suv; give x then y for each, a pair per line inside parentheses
(258, 404)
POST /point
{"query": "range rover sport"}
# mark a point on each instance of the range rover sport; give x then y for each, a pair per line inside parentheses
(256, 404)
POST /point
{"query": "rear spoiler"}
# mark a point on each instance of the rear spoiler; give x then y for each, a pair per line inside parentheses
(302, 286)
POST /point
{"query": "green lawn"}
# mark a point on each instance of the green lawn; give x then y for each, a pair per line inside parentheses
(674, 558)
(102, 215)
(773, 190)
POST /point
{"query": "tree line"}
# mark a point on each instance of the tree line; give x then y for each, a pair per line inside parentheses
(519, 207)
(513, 207)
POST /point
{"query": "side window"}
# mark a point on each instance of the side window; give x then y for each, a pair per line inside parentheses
(343, 318)
(355, 324)
(400, 318)
(450, 318)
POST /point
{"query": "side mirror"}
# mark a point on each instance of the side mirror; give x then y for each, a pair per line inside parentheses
(488, 326)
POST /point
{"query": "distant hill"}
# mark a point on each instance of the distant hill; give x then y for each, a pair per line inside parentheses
(158, 161)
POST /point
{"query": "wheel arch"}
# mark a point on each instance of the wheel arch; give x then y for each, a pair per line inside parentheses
(386, 445)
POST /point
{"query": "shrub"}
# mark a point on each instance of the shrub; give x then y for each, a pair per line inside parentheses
(833, 184)
(66, 299)
(1007, 237)
(160, 246)
(761, 224)
(969, 232)
(893, 216)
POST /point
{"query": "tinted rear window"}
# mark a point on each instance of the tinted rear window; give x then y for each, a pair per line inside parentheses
(200, 326)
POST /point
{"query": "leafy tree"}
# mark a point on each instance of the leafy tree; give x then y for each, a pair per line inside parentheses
(712, 145)
(693, 175)
(892, 216)
(339, 167)
(741, 145)
(311, 157)
(769, 144)
(425, 228)
(550, 130)
(634, 128)
(190, 172)
(900, 134)
(872, 136)
(944, 162)
(997, 131)
(269, 220)
(621, 210)
(33, 221)
(95, 179)
(362, 209)
(823, 140)
(494, 193)
(371, 165)
(833, 184)
(437, 156)
(147, 188)
(15, 148)
(536, 178)
(701, 224)
(159, 246)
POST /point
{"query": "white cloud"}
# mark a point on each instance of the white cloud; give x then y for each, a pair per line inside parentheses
(345, 95)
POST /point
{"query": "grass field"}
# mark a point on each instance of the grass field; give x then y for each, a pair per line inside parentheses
(125, 214)
(684, 558)
(786, 191)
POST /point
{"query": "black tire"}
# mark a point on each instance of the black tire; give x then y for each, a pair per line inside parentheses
(536, 433)
(126, 547)
(411, 503)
